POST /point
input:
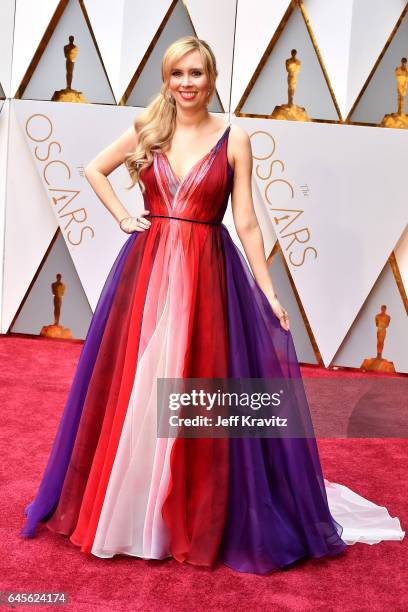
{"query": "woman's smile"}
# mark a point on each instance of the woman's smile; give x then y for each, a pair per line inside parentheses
(188, 95)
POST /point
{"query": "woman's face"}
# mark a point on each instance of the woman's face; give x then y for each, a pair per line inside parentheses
(188, 82)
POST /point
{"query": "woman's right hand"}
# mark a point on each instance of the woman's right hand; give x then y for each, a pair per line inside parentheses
(135, 224)
(280, 312)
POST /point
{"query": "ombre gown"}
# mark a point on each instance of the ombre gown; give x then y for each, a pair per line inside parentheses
(180, 301)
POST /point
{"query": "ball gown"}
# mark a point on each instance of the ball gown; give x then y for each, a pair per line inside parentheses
(180, 301)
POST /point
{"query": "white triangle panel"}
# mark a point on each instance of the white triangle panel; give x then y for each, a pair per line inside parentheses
(361, 340)
(380, 96)
(331, 24)
(349, 48)
(253, 16)
(214, 22)
(329, 214)
(29, 225)
(147, 18)
(7, 9)
(372, 24)
(92, 235)
(271, 86)
(89, 76)
(38, 308)
(31, 22)
(149, 81)
(106, 18)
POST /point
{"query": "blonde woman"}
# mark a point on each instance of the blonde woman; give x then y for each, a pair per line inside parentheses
(181, 302)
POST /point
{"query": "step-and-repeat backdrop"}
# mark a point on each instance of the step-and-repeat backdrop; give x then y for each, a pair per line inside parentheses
(320, 87)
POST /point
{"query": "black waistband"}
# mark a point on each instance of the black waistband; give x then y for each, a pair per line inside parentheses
(183, 219)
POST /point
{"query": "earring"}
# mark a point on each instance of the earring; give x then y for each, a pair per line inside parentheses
(170, 98)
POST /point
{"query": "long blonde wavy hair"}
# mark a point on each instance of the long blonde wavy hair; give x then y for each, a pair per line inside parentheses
(156, 124)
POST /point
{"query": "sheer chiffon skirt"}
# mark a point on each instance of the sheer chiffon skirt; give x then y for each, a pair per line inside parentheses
(180, 301)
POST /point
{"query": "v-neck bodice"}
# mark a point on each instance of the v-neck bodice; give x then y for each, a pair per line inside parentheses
(200, 160)
(201, 195)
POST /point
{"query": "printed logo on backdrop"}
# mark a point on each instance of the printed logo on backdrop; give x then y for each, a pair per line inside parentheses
(289, 223)
(63, 138)
(60, 178)
(317, 181)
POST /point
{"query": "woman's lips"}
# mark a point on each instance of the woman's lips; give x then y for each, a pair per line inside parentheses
(188, 95)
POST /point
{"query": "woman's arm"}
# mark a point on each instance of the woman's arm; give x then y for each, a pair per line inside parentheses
(245, 219)
(103, 164)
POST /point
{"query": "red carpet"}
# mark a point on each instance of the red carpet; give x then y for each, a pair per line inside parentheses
(35, 378)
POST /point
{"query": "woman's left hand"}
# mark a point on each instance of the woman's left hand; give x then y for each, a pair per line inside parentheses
(280, 312)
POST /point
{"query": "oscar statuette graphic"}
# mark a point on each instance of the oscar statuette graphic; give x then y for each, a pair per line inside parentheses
(378, 364)
(290, 111)
(399, 119)
(68, 94)
(56, 330)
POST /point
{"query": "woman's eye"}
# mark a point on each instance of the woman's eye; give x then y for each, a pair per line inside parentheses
(195, 73)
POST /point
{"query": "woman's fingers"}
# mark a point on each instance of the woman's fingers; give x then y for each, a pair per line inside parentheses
(144, 223)
(284, 320)
(135, 224)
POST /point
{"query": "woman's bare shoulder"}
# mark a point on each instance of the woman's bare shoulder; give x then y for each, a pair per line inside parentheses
(240, 145)
(128, 140)
(239, 135)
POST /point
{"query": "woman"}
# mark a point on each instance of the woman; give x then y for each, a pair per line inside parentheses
(181, 302)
